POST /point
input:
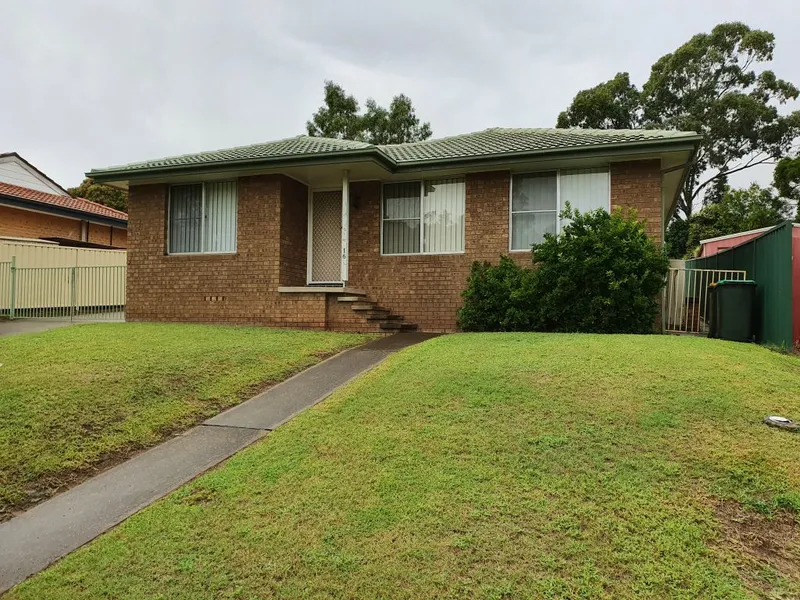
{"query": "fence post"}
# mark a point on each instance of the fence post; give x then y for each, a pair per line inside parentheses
(13, 287)
(72, 293)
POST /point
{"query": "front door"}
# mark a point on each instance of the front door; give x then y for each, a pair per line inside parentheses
(326, 237)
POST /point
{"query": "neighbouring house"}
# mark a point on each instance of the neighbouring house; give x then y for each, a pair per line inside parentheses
(33, 206)
(344, 235)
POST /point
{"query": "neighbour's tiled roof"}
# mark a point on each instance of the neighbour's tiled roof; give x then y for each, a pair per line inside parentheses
(79, 204)
(495, 141)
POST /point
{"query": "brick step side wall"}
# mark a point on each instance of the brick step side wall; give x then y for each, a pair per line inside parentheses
(341, 316)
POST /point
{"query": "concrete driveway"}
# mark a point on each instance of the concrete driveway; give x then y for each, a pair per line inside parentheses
(18, 326)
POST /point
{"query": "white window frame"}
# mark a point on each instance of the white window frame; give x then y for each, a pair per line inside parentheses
(421, 219)
(202, 221)
(511, 212)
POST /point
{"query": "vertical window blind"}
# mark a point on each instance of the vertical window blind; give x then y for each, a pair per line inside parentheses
(443, 208)
(538, 198)
(401, 218)
(585, 190)
(534, 207)
(202, 218)
(424, 217)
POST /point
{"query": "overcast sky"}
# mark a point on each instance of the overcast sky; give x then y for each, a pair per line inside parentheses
(93, 83)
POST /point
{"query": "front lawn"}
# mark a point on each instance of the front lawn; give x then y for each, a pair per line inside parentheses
(75, 397)
(491, 466)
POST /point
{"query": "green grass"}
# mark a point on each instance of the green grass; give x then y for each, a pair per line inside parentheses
(491, 466)
(72, 397)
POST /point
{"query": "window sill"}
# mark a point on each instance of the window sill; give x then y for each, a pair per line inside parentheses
(421, 254)
(199, 254)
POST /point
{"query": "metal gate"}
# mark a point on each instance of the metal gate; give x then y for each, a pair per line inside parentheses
(686, 298)
(66, 293)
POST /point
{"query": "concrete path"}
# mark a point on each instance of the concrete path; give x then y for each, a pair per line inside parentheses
(45, 533)
(18, 326)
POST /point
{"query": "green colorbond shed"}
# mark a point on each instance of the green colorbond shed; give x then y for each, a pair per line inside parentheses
(768, 260)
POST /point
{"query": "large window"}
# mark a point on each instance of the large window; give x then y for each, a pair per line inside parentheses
(534, 208)
(424, 217)
(202, 218)
(538, 198)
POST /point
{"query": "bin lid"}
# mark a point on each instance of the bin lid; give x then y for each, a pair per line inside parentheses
(736, 282)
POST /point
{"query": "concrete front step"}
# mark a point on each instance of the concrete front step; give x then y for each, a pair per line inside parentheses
(377, 316)
(398, 326)
(364, 305)
(384, 317)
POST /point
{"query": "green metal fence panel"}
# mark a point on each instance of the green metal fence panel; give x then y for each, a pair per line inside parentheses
(768, 261)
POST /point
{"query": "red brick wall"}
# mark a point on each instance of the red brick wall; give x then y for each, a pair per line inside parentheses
(110, 236)
(15, 222)
(426, 289)
(294, 233)
(638, 185)
(272, 246)
(239, 288)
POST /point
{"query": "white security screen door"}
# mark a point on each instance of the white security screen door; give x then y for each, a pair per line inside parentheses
(326, 237)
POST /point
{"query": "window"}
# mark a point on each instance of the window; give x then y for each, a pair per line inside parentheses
(401, 218)
(584, 189)
(534, 208)
(538, 198)
(202, 218)
(424, 217)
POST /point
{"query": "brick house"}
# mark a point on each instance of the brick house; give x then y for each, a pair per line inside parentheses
(336, 234)
(33, 206)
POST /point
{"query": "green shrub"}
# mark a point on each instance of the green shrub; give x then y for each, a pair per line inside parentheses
(602, 274)
(496, 298)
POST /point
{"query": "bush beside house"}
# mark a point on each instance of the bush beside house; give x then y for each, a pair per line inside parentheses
(602, 274)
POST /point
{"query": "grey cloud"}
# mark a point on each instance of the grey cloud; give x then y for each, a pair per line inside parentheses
(92, 83)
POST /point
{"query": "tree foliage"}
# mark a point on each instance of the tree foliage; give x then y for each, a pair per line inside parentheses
(787, 181)
(708, 85)
(340, 117)
(738, 210)
(102, 194)
(676, 238)
(615, 104)
(602, 274)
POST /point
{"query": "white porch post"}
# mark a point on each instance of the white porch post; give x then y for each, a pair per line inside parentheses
(345, 225)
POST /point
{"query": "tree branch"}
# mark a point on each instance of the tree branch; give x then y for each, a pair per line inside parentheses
(747, 165)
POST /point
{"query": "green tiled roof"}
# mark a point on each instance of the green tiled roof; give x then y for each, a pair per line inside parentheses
(506, 141)
(302, 145)
(481, 144)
